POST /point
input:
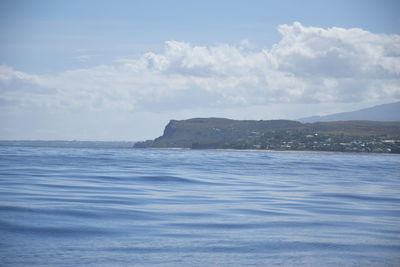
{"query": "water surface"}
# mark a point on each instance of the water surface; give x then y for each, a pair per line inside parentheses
(125, 207)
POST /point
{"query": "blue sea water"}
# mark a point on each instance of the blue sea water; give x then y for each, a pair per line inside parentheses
(133, 207)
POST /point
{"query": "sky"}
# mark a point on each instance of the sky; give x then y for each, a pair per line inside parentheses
(120, 70)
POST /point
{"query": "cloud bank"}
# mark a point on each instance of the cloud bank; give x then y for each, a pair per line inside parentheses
(308, 65)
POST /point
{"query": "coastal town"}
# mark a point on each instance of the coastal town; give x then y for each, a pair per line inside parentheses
(280, 135)
(317, 142)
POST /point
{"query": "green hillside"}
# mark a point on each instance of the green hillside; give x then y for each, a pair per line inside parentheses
(207, 133)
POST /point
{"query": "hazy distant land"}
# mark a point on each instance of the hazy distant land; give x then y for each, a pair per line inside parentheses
(67, 144)
(385, 112)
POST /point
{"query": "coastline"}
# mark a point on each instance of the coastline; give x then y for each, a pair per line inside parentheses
(273, 151)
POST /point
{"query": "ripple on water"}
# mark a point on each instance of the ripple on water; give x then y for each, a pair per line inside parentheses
(105, 207)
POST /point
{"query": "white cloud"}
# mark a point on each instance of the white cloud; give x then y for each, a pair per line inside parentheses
(336, 52)
(308, 65)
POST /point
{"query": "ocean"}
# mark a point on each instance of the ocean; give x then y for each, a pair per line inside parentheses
(64, 206)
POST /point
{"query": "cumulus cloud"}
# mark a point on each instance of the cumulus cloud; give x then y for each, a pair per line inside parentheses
(308, 65)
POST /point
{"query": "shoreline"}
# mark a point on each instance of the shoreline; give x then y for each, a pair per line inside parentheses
(274, 151)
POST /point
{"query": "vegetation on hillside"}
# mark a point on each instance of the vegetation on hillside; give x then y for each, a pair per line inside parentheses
(217, 133)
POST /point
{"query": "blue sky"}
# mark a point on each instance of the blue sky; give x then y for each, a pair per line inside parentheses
(48, 36)
(73, 69)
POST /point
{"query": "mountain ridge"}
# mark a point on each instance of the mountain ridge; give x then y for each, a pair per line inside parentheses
(384, 112)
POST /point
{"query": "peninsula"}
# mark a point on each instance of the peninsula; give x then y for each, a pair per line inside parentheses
(220, 133)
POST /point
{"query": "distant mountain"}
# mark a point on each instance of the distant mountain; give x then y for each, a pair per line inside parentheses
(385, 112)
(67, 144)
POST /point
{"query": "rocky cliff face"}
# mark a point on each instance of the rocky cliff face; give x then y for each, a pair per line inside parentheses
(216, 132)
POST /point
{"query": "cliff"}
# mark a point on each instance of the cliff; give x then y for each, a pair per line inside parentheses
(204, 133)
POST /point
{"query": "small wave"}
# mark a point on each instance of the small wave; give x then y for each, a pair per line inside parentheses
(261, 247)
(168, 179)
(259, 212)
(360, 197)
(257, 225)
(53, 231)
